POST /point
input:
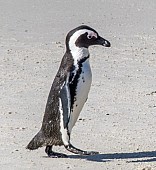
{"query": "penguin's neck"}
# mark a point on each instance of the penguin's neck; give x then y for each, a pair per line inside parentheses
(79, 54)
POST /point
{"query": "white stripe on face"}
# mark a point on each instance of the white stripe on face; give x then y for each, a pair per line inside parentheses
(77, 34)
(79, 52)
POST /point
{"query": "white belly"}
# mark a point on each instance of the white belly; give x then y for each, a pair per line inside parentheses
(82, 91)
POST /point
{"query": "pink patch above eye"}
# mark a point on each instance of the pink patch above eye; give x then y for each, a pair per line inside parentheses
(93, 34)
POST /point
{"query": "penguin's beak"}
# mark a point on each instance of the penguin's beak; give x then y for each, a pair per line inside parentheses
(103, 42)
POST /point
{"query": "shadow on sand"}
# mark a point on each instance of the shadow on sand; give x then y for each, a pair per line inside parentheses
(149, 155)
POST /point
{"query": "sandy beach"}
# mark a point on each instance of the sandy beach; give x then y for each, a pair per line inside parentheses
(119, 117)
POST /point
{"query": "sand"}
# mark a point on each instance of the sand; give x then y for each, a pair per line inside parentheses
(118, 119)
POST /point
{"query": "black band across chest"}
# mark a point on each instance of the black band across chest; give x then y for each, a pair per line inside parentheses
(74, 78)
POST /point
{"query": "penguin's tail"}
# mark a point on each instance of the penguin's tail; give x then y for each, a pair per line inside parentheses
(37, 141)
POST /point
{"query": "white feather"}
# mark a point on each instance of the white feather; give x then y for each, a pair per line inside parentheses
(82, 91)
(65, 136)
(84, 82)
(78, 53)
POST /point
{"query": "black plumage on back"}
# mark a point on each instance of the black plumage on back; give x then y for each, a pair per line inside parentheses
(50, 130)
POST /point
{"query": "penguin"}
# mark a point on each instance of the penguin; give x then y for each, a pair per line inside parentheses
(68, 93)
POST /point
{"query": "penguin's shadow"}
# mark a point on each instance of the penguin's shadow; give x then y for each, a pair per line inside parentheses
(150, 156)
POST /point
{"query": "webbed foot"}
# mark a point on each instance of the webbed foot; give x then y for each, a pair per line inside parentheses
(52, 154)
(72, 149)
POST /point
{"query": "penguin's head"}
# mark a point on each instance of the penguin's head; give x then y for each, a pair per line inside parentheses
(83, 37)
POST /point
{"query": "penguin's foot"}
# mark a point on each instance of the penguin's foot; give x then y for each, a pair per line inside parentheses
(57, 155)
(72, 149)
(52, 154)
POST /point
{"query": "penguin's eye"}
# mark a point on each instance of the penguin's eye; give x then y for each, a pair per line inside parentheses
(89, 36)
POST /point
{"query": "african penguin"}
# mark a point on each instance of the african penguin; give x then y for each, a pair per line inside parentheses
(68, 93)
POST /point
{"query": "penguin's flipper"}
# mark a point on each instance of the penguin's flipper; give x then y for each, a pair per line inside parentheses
(66, 102)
